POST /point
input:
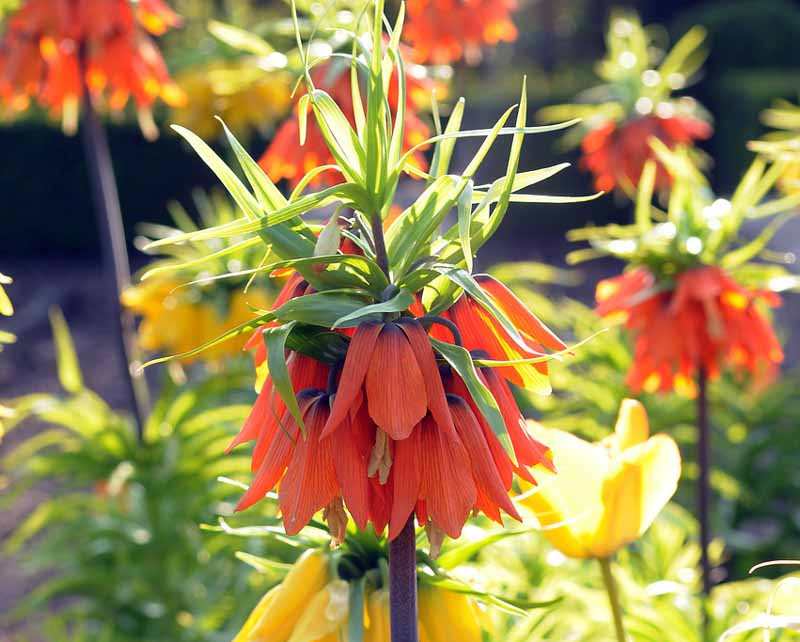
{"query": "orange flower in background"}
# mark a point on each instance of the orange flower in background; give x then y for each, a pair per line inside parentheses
(615, 153)
(444, 31)
(286, 158)
(51, 47)
(393, 430)
(705, 320)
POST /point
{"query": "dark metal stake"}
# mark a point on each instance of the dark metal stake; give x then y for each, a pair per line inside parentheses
(115, 255)
(403, 585)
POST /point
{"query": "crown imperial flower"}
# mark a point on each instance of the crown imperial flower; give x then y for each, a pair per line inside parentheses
(385, 362)
(51, 48)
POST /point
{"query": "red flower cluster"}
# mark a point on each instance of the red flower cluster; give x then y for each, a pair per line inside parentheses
(708, 318)
(616, 153)
(285, 158)
(443, 31)
(51, 47)
(391, 430)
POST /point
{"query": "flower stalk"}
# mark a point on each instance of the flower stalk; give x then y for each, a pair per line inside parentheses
(115, 255)
(403, 585)
(381, 257)
(703, 485)
(613, 597)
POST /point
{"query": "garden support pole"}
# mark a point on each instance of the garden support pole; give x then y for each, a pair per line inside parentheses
(115, 255)
(403, 584)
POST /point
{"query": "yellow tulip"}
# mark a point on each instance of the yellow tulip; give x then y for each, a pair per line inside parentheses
(606, 494)
(243, 95)
(325, 614)
(176, 322)
(275, 617)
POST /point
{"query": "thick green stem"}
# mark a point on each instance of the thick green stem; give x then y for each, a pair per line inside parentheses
(613, 597)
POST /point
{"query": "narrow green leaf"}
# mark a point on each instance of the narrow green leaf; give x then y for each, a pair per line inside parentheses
(302, 116)
(685, 47)
(398, 303)
(240, 39)
(644, 197)
(342, 141)
(275, 341)
(229, 334)
(268, 195)
(474, 133)
(320, 309)
(743, 254)
(464, 280)
(463, 551)
(244, 199)
(69, 370)
(490, 363)
(464, 209)
(461, 361)
(443, 152)
(328, 347)
(161, 268)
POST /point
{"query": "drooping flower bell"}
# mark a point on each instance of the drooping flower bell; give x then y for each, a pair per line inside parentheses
(392, 437)
(52, 48)
(615, 153)
(681, 296)
(634, 104)
(445, 31)
(708, 319)
(605, 494)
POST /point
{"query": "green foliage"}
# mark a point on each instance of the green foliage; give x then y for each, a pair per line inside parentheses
(754, 430)
(118, 538)
(658, 581)
(698, 228)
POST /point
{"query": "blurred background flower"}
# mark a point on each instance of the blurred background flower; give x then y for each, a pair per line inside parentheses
(52, 49)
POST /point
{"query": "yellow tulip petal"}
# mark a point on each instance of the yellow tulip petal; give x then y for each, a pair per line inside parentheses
(632, 427)
(378, 629)
(255, 616)
(324, 614)
(642, 481)
(446, 615)
(567, 504)
(308, 576)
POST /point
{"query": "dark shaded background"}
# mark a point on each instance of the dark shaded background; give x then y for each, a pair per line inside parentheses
(754, 59)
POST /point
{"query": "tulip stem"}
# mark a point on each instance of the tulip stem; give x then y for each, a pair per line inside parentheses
(613, 597)
(703, 484)
(115, 256)
(403, 584)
